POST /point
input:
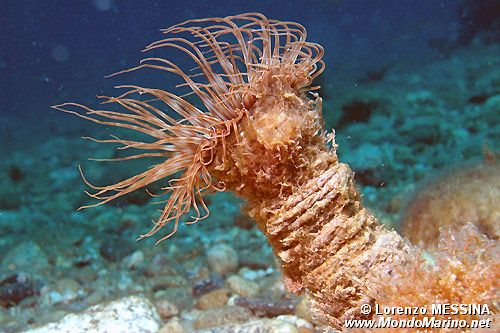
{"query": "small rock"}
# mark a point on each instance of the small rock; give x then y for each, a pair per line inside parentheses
(129, 314)
(65, 291)
(252, 275)
(159, 265)
(261, 259)
(173, 326)
(181, 297)
(165, 308)
(95, 298)
(274, 287)
(207, 285)
(213, 299)
(365, 157)
(296, 321)
(268, 307)
(168, 281)
(242, 286)
(222, 316)
(222, 259)
(87, 274)
(135, 260)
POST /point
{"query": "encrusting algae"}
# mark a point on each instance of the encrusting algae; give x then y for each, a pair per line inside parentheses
(260, 135)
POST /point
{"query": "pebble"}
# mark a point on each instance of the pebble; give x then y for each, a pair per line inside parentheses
(135, 260)
(168, 281)
(65, 291)
(181, 297)
(165, 308)
(252, 275)
(213, 299)
(221, 316)
(296, 321)
(222, 259)
(242, 286)
(173, 326)
(207, 284)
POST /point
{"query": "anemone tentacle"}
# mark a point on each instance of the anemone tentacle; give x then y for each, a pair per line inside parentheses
(233, 58)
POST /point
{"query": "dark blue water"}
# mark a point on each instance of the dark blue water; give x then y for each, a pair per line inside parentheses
(53, 51)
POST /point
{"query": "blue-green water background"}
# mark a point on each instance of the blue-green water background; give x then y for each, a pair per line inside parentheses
(102, 36)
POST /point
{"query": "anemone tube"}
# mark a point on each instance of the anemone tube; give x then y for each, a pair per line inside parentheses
(261, 135)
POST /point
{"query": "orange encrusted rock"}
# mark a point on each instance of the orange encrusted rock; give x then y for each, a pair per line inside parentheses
(466, 194)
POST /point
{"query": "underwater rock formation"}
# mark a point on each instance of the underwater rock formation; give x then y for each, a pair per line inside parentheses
(467, 194)
(261, 136)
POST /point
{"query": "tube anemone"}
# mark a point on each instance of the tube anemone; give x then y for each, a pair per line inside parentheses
(257, 131)
(261, 135)
(239, 61)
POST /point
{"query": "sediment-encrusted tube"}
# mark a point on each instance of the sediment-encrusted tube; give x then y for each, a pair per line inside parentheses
(330, 246)
(260, 135)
